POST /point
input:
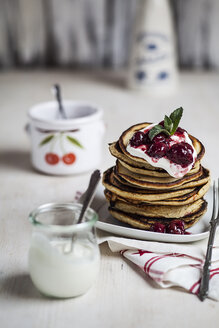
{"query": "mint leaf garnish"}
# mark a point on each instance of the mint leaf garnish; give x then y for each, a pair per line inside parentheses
(176, 117)
(156, 130)
(170, 124)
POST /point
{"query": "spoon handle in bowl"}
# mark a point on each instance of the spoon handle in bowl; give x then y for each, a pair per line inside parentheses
(57, 90)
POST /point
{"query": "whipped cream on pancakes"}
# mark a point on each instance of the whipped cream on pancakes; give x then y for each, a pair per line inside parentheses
(176, 170)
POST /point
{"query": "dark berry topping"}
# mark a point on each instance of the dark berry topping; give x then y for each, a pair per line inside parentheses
(176, 227)
(180, 132)
(158, 227)
(147, 140)
(137, 139)
(157, 149)
(161, 137)
(181, 153)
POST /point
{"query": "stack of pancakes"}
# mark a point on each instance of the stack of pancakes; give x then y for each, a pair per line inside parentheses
(141, 195)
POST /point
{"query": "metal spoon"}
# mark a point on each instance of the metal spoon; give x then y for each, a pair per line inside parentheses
(57, 93)
(94, 180)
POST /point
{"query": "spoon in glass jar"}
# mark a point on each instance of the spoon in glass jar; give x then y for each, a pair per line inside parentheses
(94, 180)
(88, 197)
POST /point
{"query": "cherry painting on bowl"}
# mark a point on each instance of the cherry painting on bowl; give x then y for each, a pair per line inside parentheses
(67, 157)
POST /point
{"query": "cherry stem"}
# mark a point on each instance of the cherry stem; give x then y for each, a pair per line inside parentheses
(52, 146)
(61, 143)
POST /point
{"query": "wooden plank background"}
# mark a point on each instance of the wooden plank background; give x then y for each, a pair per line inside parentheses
(97, 33)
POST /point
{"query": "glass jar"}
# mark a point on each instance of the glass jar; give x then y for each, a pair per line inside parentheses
(63, 256)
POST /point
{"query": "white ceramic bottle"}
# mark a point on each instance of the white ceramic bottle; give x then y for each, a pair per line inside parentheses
(153, 66)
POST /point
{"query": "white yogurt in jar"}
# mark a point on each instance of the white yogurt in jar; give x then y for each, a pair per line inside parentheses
(59, 273)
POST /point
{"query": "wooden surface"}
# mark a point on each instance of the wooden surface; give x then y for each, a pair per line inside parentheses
(122, 296)
(98, 32)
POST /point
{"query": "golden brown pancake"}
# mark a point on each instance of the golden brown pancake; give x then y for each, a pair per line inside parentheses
(154, 211)
(116, 152)
(154, 173)
(177, 201)
(144, 195)
(144, 181)
(204, 178)
(188, 198)
(143, 222)
(156, 197)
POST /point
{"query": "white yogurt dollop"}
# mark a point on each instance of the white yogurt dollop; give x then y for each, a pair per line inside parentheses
(175, 170)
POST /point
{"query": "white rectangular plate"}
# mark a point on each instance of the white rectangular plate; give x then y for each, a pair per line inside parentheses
(107, 223)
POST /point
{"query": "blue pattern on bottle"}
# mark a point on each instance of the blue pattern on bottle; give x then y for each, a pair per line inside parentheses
(163, 75)
(152, 46)
(140, 75)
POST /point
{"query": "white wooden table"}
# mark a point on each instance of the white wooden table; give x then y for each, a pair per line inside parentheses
(122, 296)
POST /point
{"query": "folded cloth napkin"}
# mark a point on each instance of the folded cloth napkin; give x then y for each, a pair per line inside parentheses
(170, 264)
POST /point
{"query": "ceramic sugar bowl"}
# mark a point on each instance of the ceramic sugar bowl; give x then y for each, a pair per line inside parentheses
(66, 146)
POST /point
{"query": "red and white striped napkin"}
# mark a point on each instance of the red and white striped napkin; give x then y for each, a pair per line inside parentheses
(170, 265)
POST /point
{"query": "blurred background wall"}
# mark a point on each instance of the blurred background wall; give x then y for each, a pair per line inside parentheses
(97, 33)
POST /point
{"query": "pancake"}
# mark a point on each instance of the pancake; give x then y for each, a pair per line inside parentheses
(143, 185)
(116, 152)
(144, 181)
(154, 211)
(178, 201)
(145, 195)
(188, 198)
(126, 136)
(154, 173)
(134, 195)
(145, 223)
